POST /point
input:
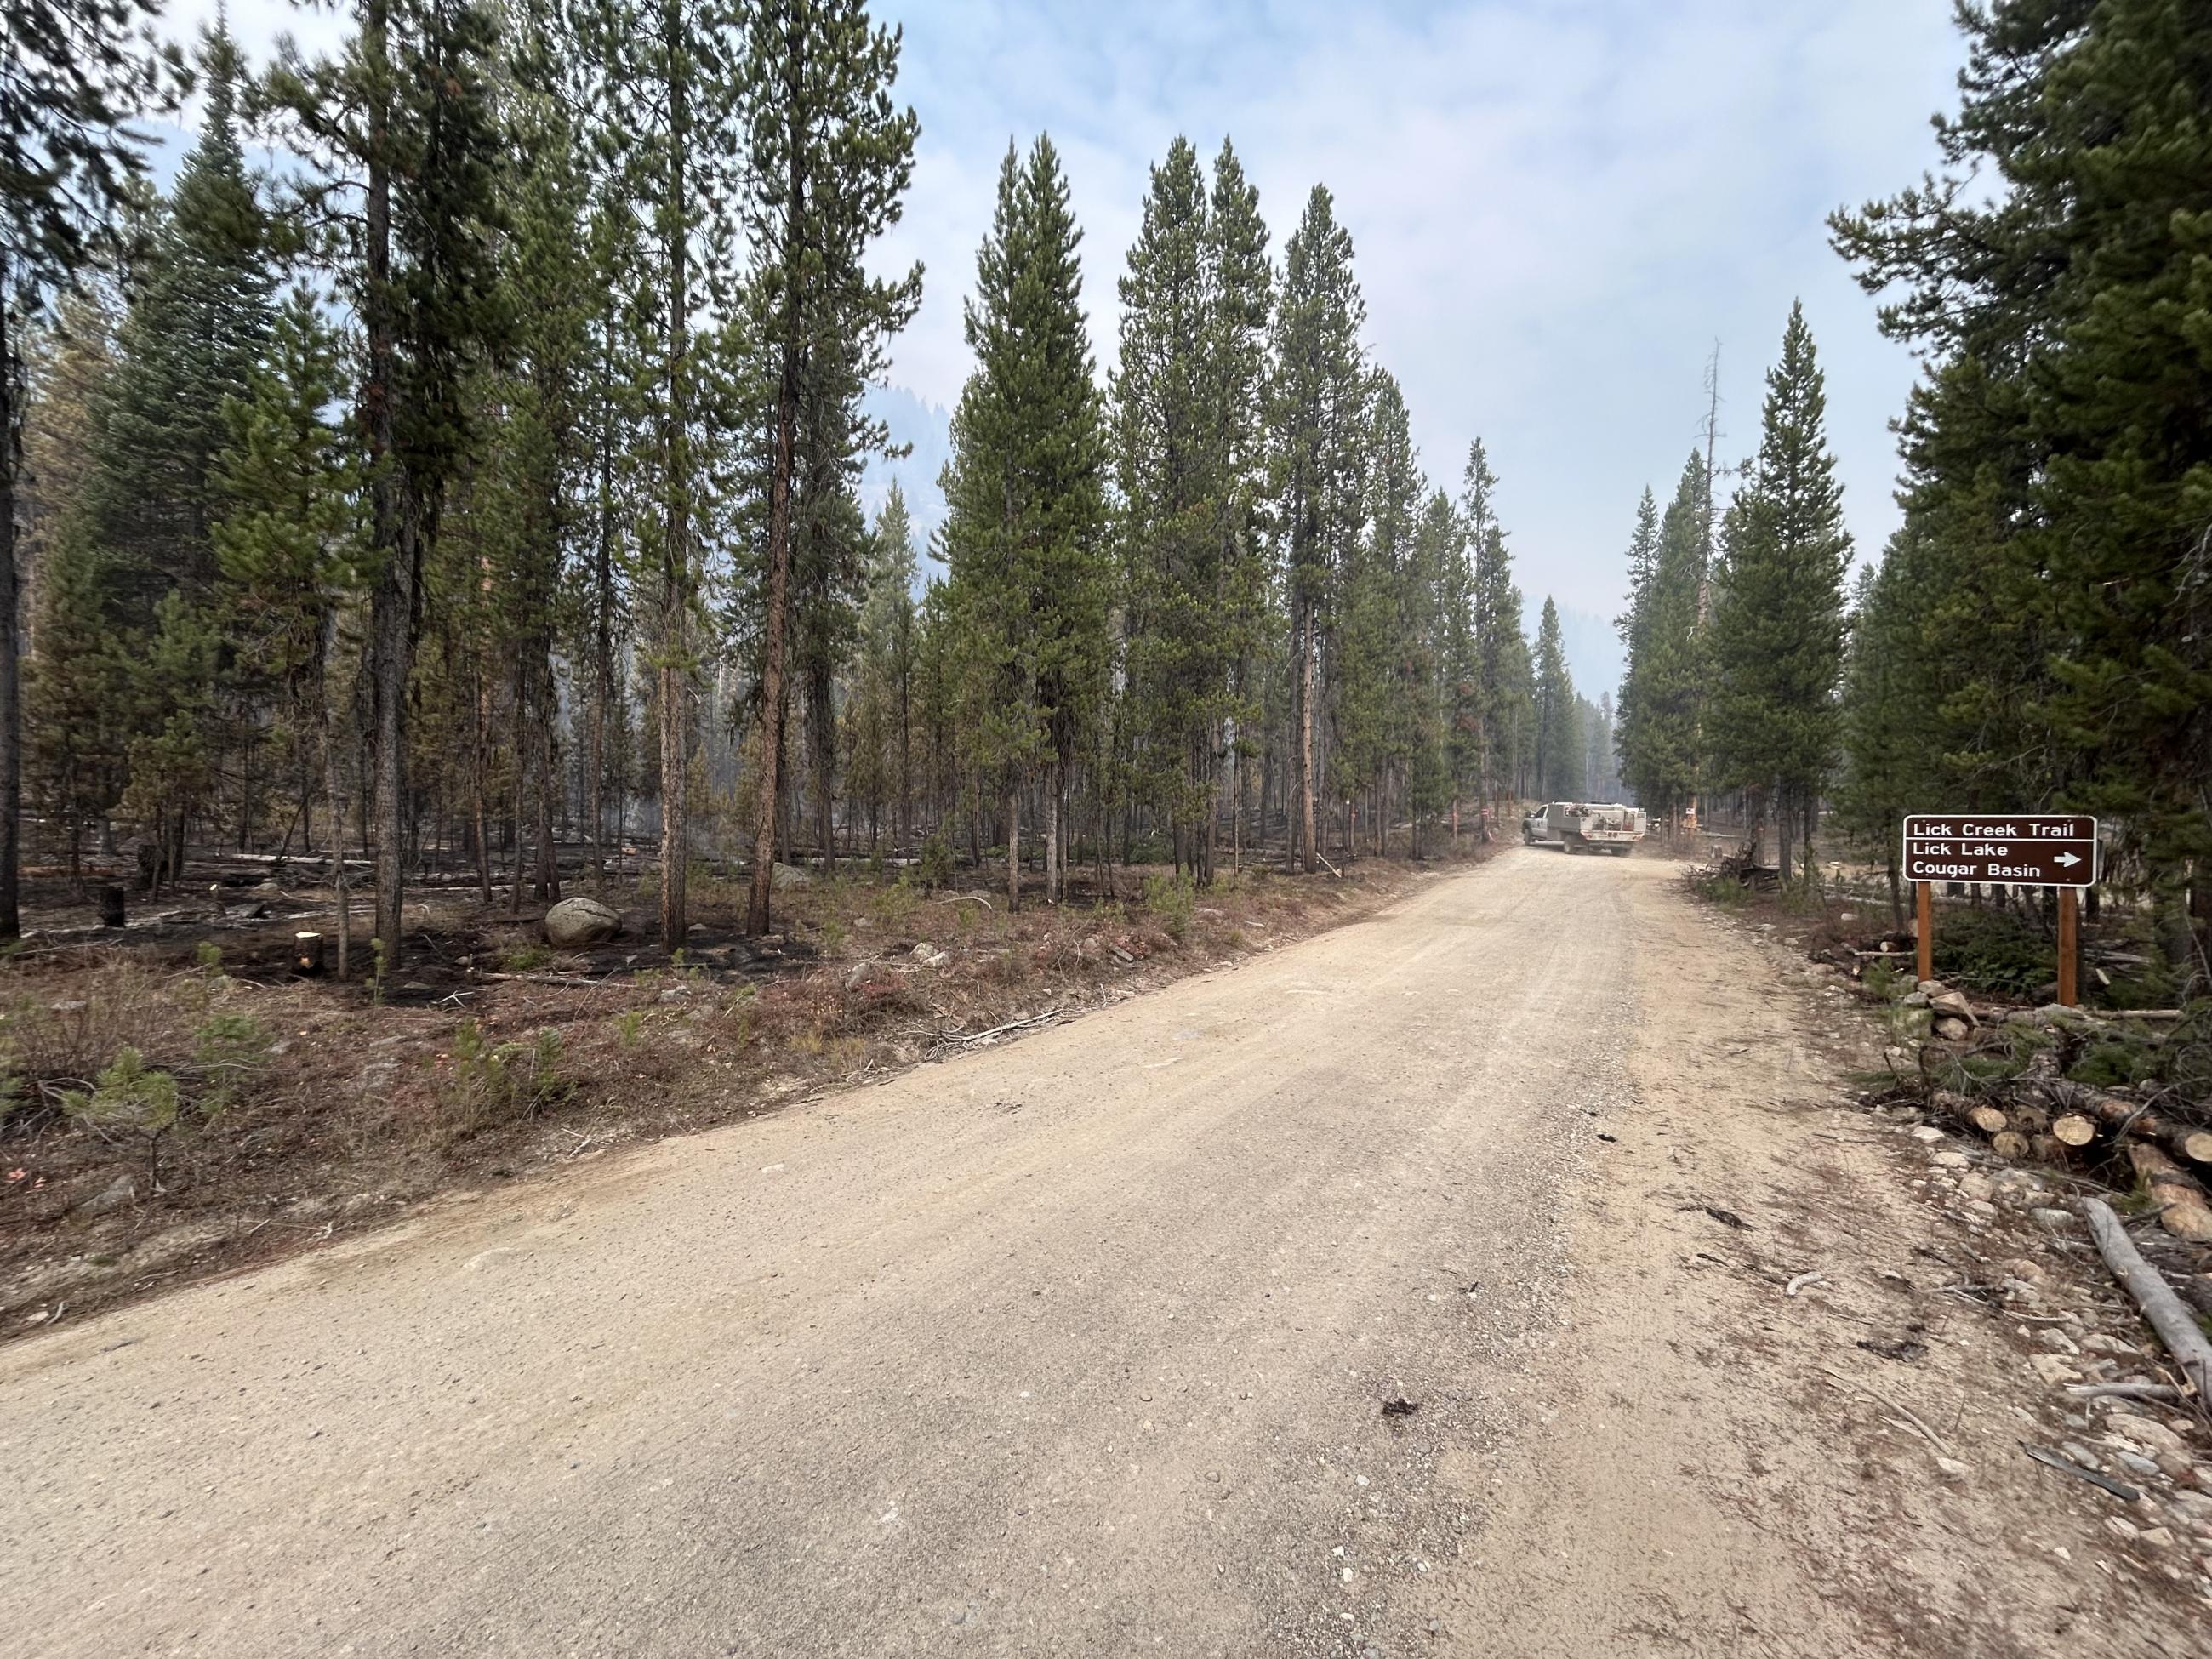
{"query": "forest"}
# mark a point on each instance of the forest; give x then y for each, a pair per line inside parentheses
(478, 486)
(2034, 637)
(481, 486)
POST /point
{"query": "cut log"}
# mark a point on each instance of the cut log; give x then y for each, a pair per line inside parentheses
(1989, 1120)
(2074, 1130)
(2135, 1119)
(2009, 1143)
(308, 953)
(2160, 1306)
(2181, 1210)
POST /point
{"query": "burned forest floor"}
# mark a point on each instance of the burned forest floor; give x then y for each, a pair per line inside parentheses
(179, 1103)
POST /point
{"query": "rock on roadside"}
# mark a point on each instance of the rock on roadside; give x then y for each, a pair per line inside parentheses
(574, 923)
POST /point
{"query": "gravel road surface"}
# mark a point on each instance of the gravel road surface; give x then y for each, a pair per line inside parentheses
(1091, 1344)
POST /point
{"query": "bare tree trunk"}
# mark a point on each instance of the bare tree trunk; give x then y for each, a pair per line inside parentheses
(11, 717)
(821, 737)
(335, 797)
(1311, 845)
(548, 856)
(775, 622)
(676, 552)
(482, 807)
(393, 532)
(1051, 833)
(1014, 845)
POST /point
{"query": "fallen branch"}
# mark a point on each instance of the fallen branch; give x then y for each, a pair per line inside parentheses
(1803, 1279)
(2064, 1465)
(570, 980)
(2160, 1306)
(1880, 1398)
(963, 898)
(1010, 1026)
(2158, 1392)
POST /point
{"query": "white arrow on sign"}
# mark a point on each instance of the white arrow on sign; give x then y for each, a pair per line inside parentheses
(2065, 860)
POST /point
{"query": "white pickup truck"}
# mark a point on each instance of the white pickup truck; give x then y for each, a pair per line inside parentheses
(1584, 826)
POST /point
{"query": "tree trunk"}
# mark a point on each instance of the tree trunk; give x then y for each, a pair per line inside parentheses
(779, 523)
(392, 528)
(675, 551)
(548, 856)
(11, 721)
(1013, 846)
(1310, 846)
(334, 799)
(1051, 833)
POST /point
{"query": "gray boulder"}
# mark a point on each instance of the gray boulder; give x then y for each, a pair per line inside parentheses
(574, 923)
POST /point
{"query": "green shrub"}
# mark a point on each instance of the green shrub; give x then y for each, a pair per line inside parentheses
(229, 1049)
(894, 906)
(1885, 981)
(491, 1084)
(527, 958)
(935, 868)
(2110, 1063)
(1996, 951)
(132, 1097)
(1172, 903)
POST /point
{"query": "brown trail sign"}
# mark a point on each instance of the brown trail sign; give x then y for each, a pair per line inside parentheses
(2018, 850)
(2002, 849)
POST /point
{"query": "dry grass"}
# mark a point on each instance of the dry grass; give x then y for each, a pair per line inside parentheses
(487, 1058)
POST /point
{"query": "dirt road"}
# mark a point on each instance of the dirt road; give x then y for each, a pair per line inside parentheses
(1089, 1344)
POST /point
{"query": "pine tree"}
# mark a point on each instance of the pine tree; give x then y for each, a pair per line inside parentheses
(1193, 303)
(880, 747)
(1025, 491)
(1431, 626)
(288, 542)
(2057, 456)
(198, 321)
(1504, 682)
(74, 73)
(1559, 752)
(1316, 418)
(1633, 626)
(1662, 698)
(404, 117)
(1881, 772)
(829, 163)
(1367, 693)
(1777, 631)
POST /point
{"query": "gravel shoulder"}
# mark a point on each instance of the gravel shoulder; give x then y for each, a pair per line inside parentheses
(1084, 1345)
(1712, 1464)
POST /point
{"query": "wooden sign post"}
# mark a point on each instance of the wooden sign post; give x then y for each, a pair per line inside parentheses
(2018, 850)
(2070, 929)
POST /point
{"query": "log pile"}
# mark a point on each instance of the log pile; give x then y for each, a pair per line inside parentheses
(2156, 1141)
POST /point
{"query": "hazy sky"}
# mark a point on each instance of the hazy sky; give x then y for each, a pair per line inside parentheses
(1558, 206)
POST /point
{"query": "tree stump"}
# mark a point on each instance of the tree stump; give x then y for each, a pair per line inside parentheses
(308, 954)
(111, 905)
